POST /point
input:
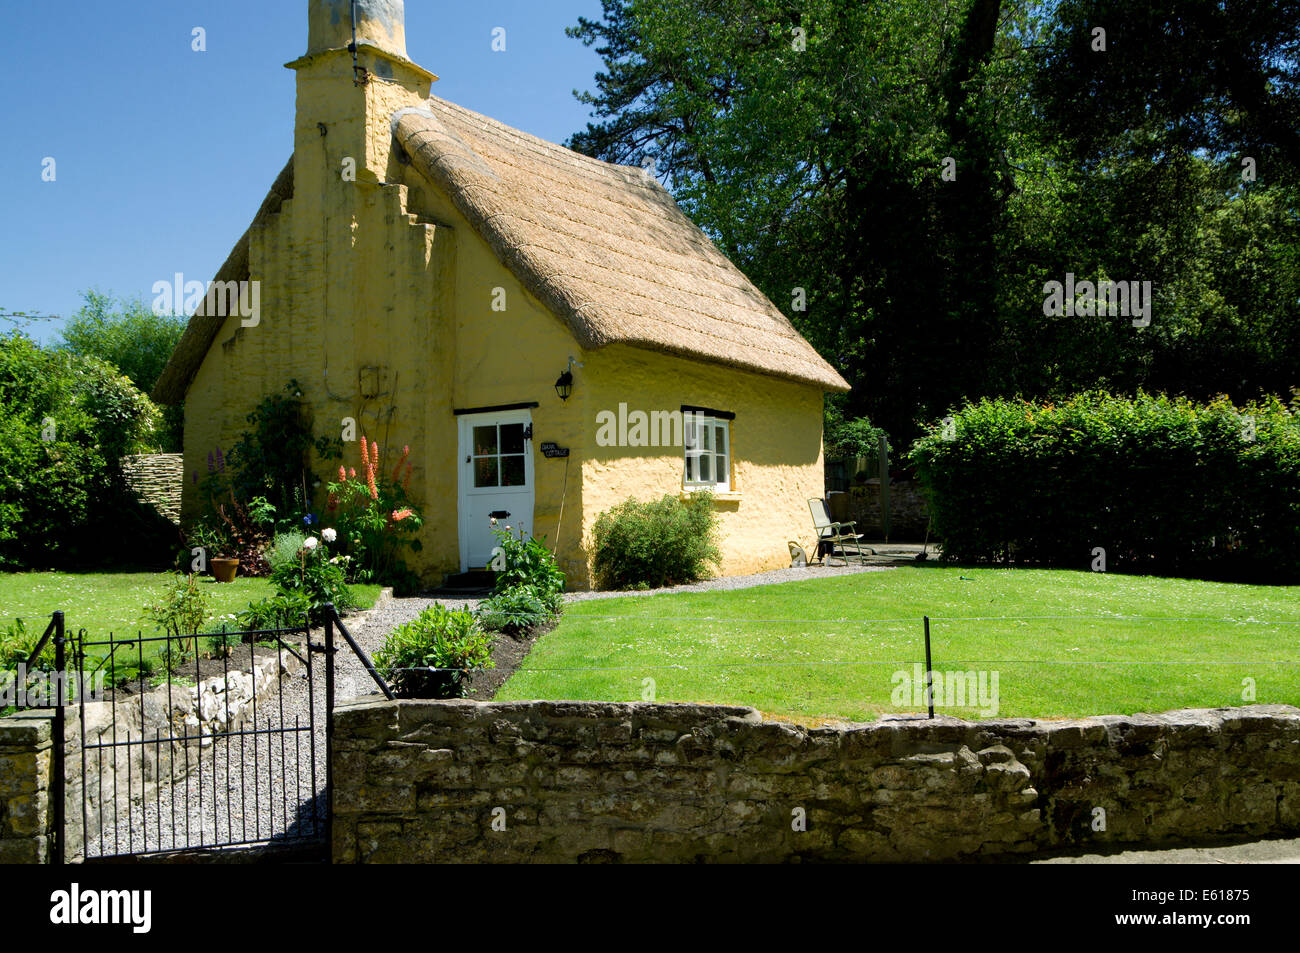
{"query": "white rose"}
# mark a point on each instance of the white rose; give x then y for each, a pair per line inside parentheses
(329, 535)
(310, 543)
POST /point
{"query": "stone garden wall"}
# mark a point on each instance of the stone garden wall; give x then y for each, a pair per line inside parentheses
(909, 514)
(25, 816)
(464, 781)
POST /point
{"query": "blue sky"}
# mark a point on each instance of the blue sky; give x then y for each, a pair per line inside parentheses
(163, 154)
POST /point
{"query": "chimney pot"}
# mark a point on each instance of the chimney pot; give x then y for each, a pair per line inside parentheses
(380, 23)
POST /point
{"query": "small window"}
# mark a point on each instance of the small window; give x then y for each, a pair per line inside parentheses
(708, 452)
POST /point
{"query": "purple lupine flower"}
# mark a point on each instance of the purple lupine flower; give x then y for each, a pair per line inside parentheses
(221, 462)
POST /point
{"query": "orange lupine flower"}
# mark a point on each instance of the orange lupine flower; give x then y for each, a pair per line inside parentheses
(374, 453)
(343, 474)
(352, 473)
(365, 457)
(399, 515)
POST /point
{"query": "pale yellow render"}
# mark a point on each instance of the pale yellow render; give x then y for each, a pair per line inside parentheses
(379, 281)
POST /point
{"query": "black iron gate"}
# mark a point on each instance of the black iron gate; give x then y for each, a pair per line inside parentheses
(191, 753)
(181, 743)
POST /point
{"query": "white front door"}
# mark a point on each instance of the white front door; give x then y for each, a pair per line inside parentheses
(496, 478)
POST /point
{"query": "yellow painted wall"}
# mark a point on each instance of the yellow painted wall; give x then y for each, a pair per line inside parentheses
(776, 449)
(385, 273)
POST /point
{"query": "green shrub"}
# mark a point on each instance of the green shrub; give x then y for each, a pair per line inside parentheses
(438, 638)
(284, 549)
(515, 611)
(1160, 484)
(850, 438)
(17, 644)
(285, 610)
(269, 461)
(180, 611)
(316, 577)
(526, 562)
(65, 423)
(664, 542)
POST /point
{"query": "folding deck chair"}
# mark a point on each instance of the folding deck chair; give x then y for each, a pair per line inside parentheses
(831, 533)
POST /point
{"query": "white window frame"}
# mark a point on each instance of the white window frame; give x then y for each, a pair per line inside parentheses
(720, 482)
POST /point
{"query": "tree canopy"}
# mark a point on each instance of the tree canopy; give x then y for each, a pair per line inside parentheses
(916, 171)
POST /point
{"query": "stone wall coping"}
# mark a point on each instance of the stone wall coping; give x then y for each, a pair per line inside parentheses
(464, 709)
(27, 729)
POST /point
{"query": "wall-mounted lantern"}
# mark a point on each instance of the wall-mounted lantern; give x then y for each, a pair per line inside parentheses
(564, 384)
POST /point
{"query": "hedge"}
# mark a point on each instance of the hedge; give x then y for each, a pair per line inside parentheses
(1160, 484)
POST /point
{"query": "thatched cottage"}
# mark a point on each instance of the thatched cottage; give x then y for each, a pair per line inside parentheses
(493, 300)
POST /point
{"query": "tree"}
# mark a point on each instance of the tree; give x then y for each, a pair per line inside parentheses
(922, 169)
(65, 423)
(130, 336)
(809, 140)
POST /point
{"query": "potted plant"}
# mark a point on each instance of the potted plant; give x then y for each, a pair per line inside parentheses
(219, 546)
(434, 655)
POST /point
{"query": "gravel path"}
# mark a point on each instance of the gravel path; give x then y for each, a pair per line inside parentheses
(238, 795)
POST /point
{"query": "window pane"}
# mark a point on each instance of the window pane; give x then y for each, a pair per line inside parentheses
(512, 470)
(705, 469)
(720, 439)
(485, 440)
(485, 471)
(512, 438)
(720, 468)
(690, 467)
(708, 438)
(688, 431)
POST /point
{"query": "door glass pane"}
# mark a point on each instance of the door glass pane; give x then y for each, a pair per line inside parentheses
(485, 470)
(485, 440)
(512, 470)
(512, 438)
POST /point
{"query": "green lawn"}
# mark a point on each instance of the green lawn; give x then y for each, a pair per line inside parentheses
(830, 648)
(112, 602)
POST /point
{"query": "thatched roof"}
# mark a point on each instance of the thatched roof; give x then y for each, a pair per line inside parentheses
(202, 329)
(604, 246)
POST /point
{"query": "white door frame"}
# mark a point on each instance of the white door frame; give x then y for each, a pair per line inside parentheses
(465, 471)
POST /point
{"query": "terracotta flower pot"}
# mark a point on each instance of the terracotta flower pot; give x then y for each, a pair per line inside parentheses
(223, 570)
